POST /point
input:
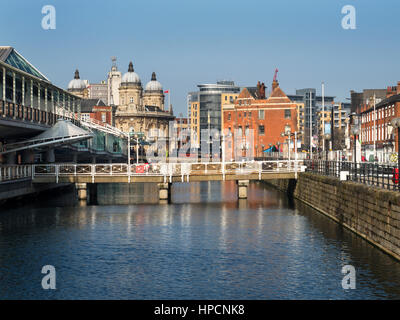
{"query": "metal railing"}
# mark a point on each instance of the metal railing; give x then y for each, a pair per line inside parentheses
(284, 156)
(15, 172)
(374, 174)
(168, 170)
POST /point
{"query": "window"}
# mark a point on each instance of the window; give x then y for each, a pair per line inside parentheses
(229, 117)
(103, 117)
(226, 98)
(288, 114)
(244, 114)
(247, 131)
(250, 114)
(131, 100)
(85, 116)
(261, 130)
(240, 131)
(261, 114)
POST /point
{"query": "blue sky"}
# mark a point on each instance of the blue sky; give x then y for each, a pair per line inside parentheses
(189, 42)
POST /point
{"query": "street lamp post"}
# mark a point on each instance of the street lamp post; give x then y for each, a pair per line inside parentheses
(396, 124)
(129, 148)
(355, 131)
(289, 135)
(137, 149)
(279, 150)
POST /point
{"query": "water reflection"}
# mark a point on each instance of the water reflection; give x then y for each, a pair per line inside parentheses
(205, 245)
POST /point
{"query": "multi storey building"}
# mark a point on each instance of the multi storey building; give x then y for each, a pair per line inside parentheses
(136, 110)
(114, 79)
(194, 118)
(253, 123)
(97, 110)
(142, 110)
(205, 106)
(377, 135)
(78, 87)
(360, 99)
(309, 104)
(335, 118)
(98, 91)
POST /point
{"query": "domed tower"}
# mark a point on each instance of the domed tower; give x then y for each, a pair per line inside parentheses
(130, 91)
(153, 93)
(78, 87)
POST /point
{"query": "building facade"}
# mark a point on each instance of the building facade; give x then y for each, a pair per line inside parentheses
(210, 103)
(98, 91)
(332, 123)
(96, 110)
(194, 118)
(142, 110)
(114, 79)
(78, 87)
(253, 124)
(378, 137)
(309, 104)
(205, 107)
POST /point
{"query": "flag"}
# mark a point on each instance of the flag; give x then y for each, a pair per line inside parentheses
(166, 91)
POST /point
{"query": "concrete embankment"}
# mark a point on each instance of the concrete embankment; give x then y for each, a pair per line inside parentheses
(23, 189)
(370, 212)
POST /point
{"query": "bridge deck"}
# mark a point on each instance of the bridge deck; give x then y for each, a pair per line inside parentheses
(165, 172)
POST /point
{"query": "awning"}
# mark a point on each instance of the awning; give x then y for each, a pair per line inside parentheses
(63, 132)
(271, 149)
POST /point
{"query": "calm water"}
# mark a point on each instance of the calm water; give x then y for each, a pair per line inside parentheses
(206, 245)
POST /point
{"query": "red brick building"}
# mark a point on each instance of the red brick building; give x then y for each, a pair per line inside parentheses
(254, 123)
(376, 126)
(96, 109)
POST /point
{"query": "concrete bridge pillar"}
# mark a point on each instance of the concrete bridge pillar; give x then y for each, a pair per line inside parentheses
(11, 158)
(92, 191)
(164, 192)
(28, 156)
(242, 188)
(82, 190)
(50, 156)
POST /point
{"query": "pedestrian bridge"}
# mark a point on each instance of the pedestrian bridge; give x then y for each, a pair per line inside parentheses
(162, 173)
(165, 172)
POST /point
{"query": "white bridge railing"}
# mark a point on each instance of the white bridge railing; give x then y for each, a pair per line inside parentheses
(15, 172)
(168, 170)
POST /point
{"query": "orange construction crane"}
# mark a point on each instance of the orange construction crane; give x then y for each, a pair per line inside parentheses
(276, 73)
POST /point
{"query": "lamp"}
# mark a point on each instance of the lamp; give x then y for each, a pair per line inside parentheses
(396, 124)
(355, 131)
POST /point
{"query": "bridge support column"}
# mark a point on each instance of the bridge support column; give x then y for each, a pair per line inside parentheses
(92, 190)
(50, 156)
(242, 188)
(11, 158)
(82, 190)
(164, 192)
(28, 156)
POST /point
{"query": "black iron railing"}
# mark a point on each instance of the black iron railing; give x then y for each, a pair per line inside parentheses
(380, 175)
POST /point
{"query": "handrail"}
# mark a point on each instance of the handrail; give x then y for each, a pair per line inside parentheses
(169, 170)
(15, 172)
